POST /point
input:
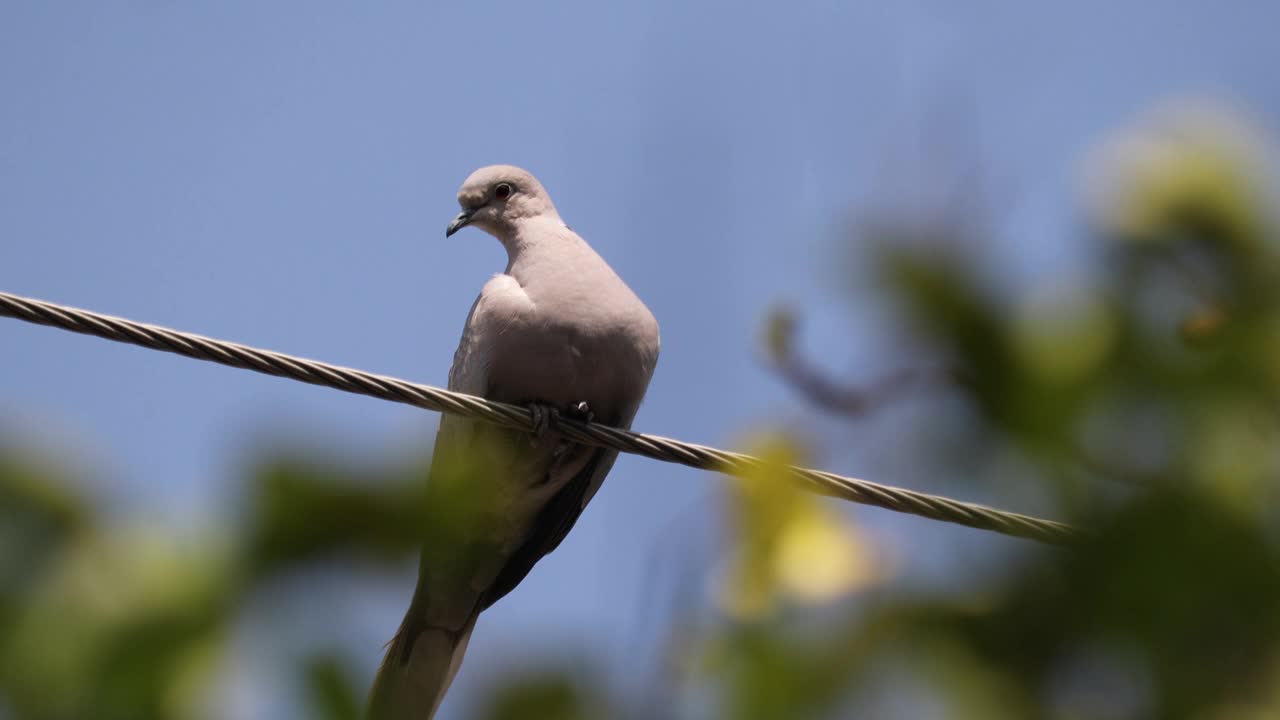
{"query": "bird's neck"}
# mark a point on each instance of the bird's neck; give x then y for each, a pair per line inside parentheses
(534, 236)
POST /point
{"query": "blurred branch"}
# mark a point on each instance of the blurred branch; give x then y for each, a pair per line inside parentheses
(831, 395)
(851, 400)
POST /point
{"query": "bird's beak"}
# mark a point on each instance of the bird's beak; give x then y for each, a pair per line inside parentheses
(459, 222)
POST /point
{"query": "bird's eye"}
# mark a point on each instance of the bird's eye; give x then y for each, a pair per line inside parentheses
(502, 191)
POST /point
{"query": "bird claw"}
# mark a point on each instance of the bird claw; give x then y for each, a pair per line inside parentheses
(547, 417)
(544, 418)
(581, 411)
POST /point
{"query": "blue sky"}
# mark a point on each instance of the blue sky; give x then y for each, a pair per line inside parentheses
(280, 175)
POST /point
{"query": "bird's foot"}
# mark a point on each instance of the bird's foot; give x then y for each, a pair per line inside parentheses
(545, 417)
(581, 411)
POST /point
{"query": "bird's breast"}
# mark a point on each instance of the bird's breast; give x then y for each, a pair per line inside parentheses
(561, 363)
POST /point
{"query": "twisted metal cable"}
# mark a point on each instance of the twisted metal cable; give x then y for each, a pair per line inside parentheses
(431, 398)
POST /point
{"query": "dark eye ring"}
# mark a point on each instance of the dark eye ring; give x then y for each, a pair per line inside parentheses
(502, 191)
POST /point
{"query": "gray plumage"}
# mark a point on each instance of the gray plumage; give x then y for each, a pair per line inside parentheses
(556, 328)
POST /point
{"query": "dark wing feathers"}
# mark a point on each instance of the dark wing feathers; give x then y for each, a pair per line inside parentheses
(554, 522)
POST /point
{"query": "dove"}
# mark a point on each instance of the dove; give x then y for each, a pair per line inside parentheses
(560, 333)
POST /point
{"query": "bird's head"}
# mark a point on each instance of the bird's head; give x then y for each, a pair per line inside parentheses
(496, 198)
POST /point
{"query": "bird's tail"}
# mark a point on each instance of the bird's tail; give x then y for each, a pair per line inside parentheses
(419, 666)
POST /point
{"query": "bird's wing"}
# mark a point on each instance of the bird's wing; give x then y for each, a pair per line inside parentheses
(426, 651)
(553, 523)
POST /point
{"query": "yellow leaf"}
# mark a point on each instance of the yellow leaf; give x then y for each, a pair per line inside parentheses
(1190, 162)
(820, 558)
(789, 545)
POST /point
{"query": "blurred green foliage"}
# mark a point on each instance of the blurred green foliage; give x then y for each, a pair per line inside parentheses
(1138, 394)
(108, 622)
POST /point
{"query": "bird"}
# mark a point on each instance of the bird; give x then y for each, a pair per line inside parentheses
(560, 333)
